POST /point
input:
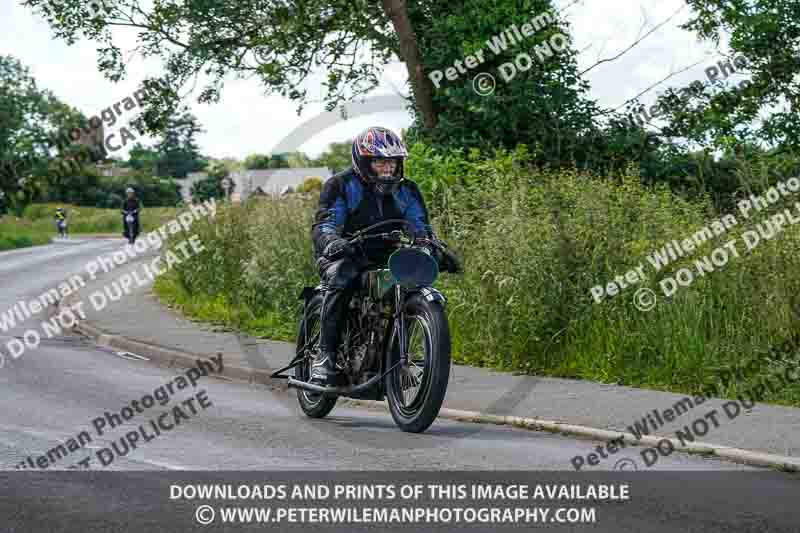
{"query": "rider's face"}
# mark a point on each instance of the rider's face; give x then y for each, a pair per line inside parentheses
(384, 167)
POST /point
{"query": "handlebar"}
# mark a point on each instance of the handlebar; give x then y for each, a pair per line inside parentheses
(395, 235)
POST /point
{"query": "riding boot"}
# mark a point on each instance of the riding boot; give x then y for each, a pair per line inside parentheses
(323, 369)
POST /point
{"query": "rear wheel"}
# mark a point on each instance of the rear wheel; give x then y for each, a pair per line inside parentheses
(313, 404)
(415, 394)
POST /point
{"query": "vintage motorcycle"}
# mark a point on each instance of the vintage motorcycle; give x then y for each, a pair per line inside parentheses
(395, 343)
(130, 218)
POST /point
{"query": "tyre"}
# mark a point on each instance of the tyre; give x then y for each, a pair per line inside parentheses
(416, 394)
(313, 404)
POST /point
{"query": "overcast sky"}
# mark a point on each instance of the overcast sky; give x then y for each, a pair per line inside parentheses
(247, 121)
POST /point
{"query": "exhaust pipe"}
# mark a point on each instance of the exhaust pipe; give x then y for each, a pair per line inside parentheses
(338, 391)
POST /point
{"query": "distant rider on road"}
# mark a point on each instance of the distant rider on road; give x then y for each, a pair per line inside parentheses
(61, 222)
(130, 207)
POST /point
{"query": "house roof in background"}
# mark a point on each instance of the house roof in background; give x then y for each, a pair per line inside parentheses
(275, 179)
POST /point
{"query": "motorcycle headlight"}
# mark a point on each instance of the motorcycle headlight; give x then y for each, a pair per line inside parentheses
(413, 268)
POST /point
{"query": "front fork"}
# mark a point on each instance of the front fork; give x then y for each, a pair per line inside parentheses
(400, 325)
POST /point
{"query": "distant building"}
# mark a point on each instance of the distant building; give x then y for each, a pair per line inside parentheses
(273, 181)
(112, 171)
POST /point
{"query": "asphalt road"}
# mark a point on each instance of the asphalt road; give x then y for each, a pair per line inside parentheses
(57, 391)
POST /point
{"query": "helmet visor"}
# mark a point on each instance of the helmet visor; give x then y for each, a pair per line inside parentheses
(383, 167)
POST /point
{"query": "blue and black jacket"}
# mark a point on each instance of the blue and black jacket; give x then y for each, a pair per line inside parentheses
(347, 205)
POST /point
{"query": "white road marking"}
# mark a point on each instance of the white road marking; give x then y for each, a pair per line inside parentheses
(132, 356)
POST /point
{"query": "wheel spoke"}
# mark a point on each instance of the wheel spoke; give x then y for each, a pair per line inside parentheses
(412, 383)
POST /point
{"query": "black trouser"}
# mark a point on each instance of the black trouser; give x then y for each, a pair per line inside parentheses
(340, 280)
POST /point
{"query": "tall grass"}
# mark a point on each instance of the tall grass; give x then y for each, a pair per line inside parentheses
(534, 243)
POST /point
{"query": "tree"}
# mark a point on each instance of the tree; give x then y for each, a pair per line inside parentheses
(257, 162)
(544, 102)
(311, 184)
(177, 149)
(281, 43)
(298, 160)
(217, 170)
(764, 37)
(44, 143)
(210, 187)
(337, 157)
(279, 161)
(141, 158)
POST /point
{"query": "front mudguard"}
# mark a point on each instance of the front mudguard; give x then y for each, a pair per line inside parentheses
(430, 294)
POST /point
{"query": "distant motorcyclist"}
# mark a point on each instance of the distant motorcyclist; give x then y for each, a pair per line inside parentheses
(130, 216)
(61, 222)
(373, 190)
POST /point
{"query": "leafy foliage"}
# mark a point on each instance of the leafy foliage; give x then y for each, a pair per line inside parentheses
(177, 149)
(312, 184)
(337, 157)
(210, 187)
(280, 44)
(544, 107)
(764, 110)
(257, 162)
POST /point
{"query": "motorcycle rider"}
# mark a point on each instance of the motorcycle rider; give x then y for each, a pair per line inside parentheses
(61, 222)
(372, 190)
(130, 206)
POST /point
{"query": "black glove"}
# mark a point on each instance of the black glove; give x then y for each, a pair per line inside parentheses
(426, 245)
(451, 263)
(338, 248)
(447, 260)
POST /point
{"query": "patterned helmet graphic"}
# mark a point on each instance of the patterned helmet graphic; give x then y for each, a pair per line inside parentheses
(376, 142)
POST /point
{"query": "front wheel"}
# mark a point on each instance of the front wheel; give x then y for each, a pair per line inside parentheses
(416, 393)
(314, 405)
